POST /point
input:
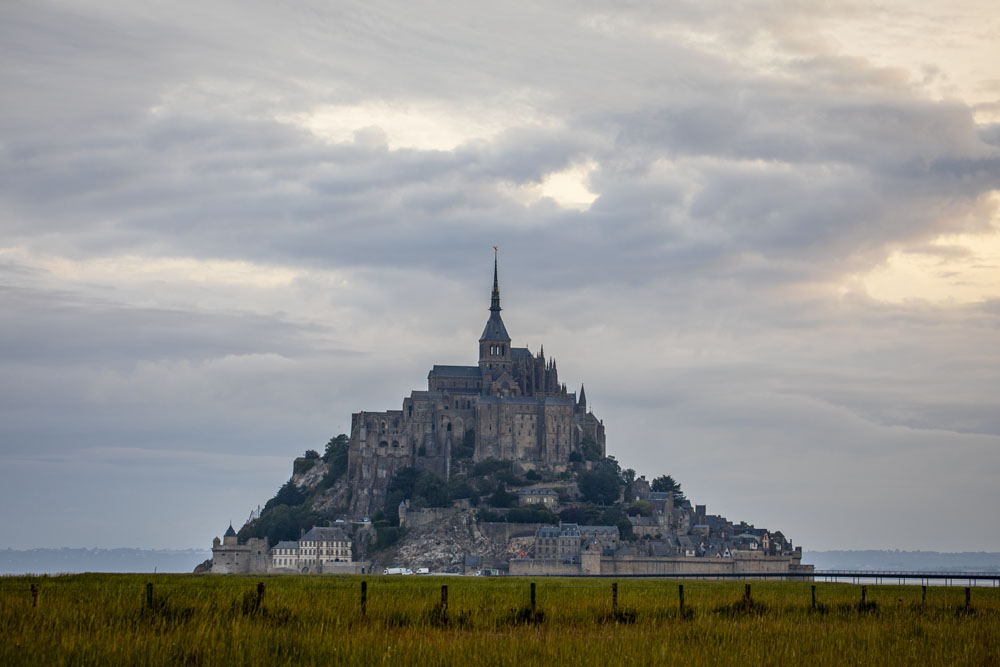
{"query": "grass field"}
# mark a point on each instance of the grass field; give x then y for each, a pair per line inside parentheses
(213, 620)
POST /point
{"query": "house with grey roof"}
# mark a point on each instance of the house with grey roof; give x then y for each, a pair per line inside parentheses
(546, 497)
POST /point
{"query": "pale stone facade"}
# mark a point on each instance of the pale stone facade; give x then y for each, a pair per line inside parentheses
(316, 551)
(545, 497)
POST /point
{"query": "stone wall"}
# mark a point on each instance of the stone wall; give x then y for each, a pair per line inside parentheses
(523, 567)
(413, 518)
(744, 563)
(503, 532)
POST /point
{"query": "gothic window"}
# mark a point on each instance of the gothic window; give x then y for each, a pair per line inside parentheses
(449, 427)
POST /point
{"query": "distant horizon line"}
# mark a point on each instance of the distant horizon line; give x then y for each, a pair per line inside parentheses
(209, 549)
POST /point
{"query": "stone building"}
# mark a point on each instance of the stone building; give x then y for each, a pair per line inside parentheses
(285, 555)
(547, 497)
(231, 557)
(560, 543)
(322, 546)
(509, 406)
(315, 551)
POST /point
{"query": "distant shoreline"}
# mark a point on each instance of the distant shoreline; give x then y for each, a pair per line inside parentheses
(71, 560)
(905, 561)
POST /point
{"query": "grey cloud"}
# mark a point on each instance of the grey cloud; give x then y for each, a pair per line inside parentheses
(696, 292)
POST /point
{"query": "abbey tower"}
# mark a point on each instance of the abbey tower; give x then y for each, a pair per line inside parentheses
(509, 406)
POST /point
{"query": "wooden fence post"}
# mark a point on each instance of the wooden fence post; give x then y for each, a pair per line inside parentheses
(814, 596)
(34, 595)
(923, 595)
(680, 592)
(149, 594)
(260, 595)
(614, 597)
(364, 597)
(532, 597)
(746, 595)
(864, 595)
(968, 597)
(444, 598)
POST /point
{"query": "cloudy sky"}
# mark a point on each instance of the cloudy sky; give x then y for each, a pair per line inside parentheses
(765, 236)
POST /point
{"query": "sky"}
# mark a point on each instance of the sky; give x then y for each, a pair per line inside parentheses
(766, 236)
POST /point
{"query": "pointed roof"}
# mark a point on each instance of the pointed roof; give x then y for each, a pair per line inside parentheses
(230, 532)
(495, 330)
(583, 397)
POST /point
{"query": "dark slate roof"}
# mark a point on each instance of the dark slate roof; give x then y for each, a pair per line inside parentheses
(456, 371)
(520, 353)
(566, 530)
(230, 532)
(510, 400)
(537, 492)
(559, 400)
(495, 330)
(317, 534)
(286, 544)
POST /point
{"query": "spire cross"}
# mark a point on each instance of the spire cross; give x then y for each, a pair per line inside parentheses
(495, 301)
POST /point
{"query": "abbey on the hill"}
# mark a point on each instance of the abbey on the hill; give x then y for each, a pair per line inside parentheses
(511, 406)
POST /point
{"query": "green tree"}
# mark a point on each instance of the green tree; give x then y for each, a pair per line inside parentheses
(336, 457)
(591, 449)
(628, 479)
(581, 515)
(491, 467)
(640, 508)
(600, 486)
(667, 484)
(459, 487)
(336, 446)
(534, 513)
(467, 449)
(281, 522)
(430, 490)
(502, 498)
(288, 494)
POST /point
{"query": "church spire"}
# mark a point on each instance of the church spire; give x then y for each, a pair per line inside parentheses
(494, 344)
(495, 301)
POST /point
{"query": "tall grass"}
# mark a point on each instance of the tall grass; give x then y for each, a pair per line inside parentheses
(210, 620)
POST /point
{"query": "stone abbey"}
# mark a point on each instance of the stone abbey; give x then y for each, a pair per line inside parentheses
(511, 406)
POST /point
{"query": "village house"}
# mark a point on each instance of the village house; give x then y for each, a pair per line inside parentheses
(546, 497)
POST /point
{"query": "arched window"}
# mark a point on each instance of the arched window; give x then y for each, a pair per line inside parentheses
(449, 427)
